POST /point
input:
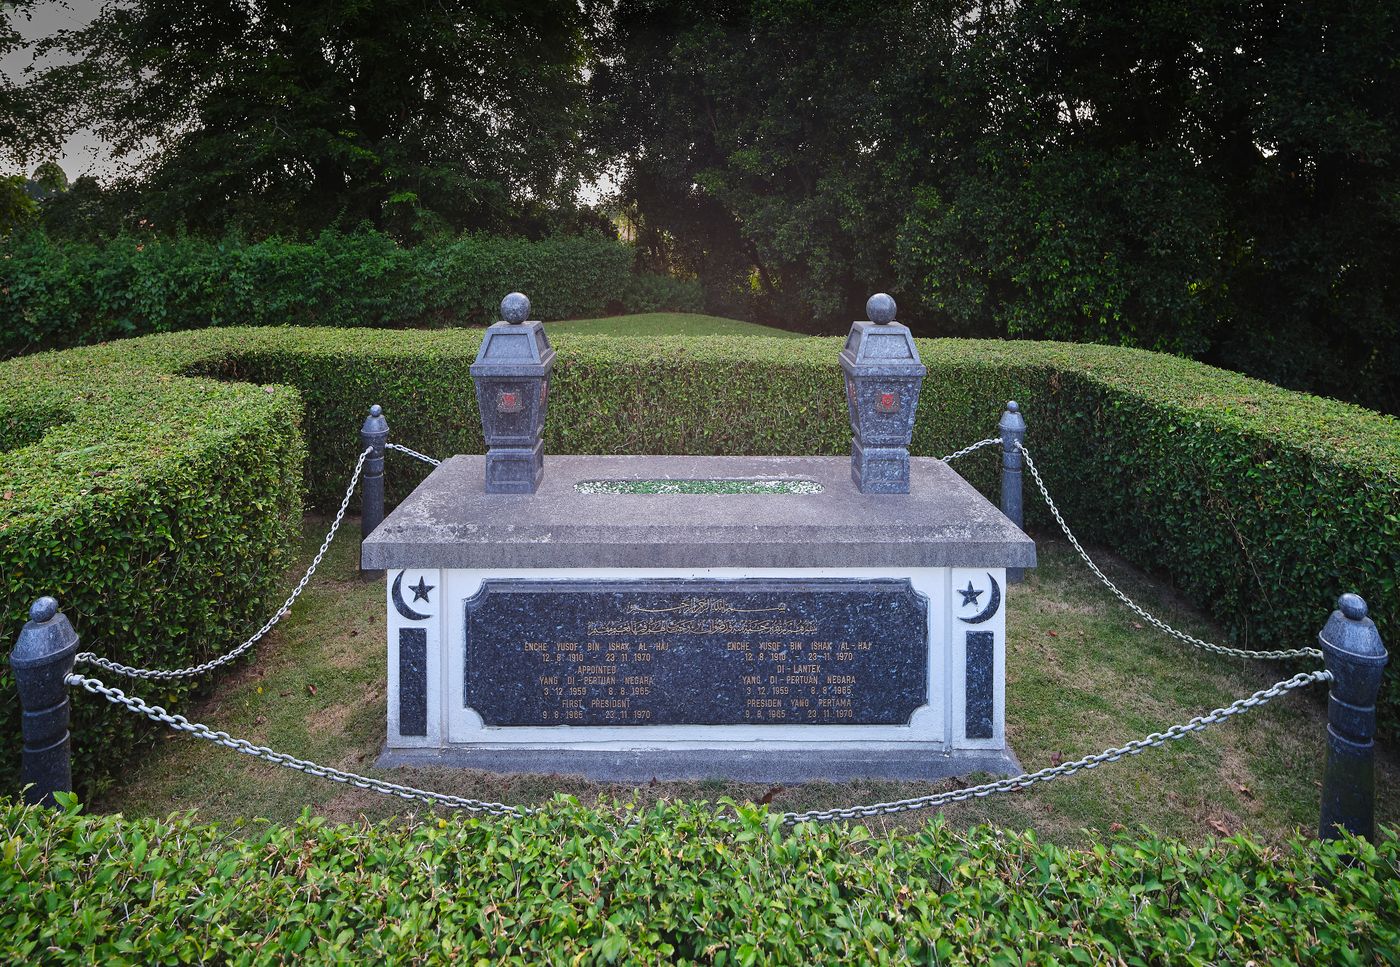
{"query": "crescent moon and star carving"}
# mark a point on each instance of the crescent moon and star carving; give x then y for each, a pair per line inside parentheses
(420, 593)
(970, 596)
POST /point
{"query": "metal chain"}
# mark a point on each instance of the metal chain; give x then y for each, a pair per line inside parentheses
(966, 450)
(181, 724)
(413, 453)
(90, 658)
(1145, 615)
(1026, 779)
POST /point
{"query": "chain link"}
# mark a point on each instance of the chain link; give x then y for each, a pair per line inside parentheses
(413, 453)
(1012, 784)
(90, 658)
(1027, 779)
(966, 450)
(181, 724)
(1146, 616)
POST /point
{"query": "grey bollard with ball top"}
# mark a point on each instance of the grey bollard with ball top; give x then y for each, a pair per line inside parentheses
(1013, 433)
(41, 661)
(374, 436)
(1356, 657)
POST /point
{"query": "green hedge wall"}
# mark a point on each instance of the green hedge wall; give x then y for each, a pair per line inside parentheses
(56, 294)
(160, 511)
(1262, 505)
(678, 885)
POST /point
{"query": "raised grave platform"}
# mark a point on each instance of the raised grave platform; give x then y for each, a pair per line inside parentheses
(798, 628)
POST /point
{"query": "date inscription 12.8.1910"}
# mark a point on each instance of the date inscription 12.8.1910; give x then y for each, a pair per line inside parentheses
(696, 652)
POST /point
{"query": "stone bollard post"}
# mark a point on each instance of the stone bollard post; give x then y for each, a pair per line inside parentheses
(1356, 657)
(1013, 431)
(375, 434)
(40, 662)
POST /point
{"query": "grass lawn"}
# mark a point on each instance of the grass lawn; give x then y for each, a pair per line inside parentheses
(667, 324)
(1082, 676)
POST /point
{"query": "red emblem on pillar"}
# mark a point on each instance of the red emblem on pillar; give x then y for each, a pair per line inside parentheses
(509, 401)
(887, 403)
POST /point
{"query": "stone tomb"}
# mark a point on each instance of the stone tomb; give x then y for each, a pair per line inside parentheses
(758, 618)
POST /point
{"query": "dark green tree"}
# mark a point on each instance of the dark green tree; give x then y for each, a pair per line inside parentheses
(761, 140)
(1075, 205)
(17, 209)
(271, 115)
(48, 179)
(1198, 176)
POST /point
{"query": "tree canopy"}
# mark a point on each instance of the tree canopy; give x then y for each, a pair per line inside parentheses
(271, 115)
(1217, 179)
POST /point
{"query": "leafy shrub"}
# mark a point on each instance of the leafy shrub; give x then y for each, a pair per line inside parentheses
(1262, 505)
(680, 884)
(1105, 248)
(663, 293)
(56, 294)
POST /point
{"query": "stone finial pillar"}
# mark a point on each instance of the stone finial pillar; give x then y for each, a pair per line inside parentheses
(511, 374)
(1013, 432)
(883, 377)
(40, 662)
(374, 435)
(1356, 657)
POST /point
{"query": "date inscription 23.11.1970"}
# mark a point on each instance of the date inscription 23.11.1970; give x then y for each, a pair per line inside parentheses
(694, 651)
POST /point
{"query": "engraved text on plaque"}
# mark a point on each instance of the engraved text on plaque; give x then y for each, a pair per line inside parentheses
(701, 652)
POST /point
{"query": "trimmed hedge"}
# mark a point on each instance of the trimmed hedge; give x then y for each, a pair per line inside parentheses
(1261, 504)
(161, 511)
(679, 885)
(55, 294)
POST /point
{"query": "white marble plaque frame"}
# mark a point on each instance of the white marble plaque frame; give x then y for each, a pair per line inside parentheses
(939, 726)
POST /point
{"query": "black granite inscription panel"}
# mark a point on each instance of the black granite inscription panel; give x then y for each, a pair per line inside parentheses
(413, 681)
(981, 661)
(696, 652)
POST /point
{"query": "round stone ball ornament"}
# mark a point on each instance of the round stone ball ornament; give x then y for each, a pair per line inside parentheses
(880, 308)
(515, 308)
(43, 609)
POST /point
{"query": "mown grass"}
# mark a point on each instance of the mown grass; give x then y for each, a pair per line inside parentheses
(1082, 676)
(667, 324)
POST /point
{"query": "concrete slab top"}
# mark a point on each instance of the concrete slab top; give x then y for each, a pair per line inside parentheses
(450, 521)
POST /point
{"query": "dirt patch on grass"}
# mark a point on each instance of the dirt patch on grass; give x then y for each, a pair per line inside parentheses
(332, 718)
(1236, 774)
(1054, 606)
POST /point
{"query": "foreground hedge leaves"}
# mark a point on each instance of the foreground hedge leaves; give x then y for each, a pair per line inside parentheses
(682, 883)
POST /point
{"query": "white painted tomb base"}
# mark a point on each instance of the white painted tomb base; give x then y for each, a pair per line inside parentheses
(449, 540)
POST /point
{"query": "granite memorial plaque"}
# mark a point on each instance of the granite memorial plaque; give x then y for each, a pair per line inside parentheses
(697, 652)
